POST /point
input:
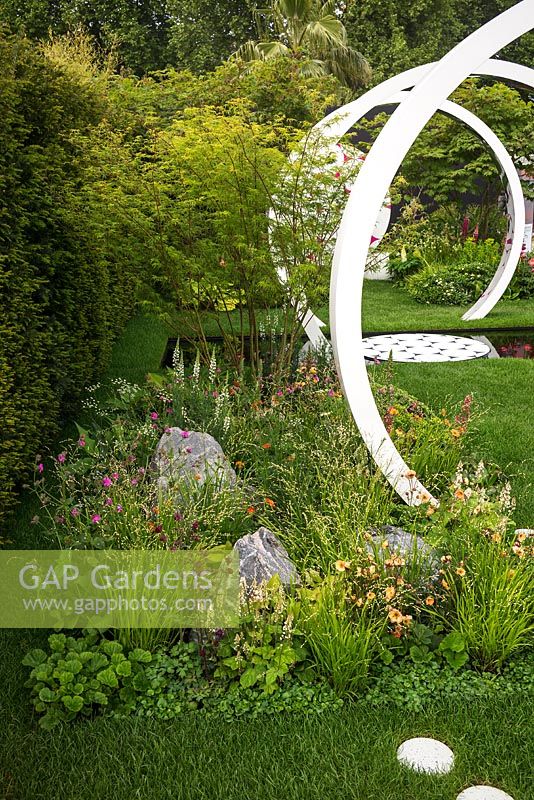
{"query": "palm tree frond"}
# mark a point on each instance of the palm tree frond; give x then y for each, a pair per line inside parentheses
(326, 32)
(312, 68)
(293, 9)
(349, 66)
(247, 52)
(269, 50)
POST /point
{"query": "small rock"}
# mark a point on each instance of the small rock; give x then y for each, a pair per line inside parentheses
(403, 543)
(483, 793)
(261, 556)
(426, 755)
(192, 457)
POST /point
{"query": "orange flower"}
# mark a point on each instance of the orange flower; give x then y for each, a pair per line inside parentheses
(395, 616)
(270, 503)
(456, 433)
(197, 476)
(429, 601)
(496, 537)
(251, 510)
(460, 571)
(390, 593)
(266, 446)
(239, 464)
(371, 596)
(410, 474)
(445, 584)
(342, 566)
(459, 494)
(392, 411)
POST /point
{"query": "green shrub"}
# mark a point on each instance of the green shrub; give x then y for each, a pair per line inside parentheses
(68, 264)
(456, 285)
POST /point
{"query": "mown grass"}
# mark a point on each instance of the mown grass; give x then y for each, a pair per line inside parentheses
(502, 389)
(349, 754)
(387, 307)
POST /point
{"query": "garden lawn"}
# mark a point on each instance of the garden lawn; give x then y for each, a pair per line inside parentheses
(502, 389)
(341, 756)
(387, 307)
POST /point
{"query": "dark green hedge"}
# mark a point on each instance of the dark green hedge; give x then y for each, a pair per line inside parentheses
(67, 275)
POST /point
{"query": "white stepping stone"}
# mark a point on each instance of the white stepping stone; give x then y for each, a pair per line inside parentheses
(483, 793)
(426, 755)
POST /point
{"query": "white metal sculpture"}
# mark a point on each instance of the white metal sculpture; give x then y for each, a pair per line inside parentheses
(343, 119)
(432, 86)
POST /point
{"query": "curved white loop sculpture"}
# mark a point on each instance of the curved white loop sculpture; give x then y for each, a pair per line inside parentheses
(371, 185)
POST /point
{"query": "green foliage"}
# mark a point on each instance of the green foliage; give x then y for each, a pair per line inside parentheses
(462, 283)
(398, 34)
(342, 638)
(454, 286)
(488, 572)
(67, 284)
(404, 266)
(311, 33)
(415, 687)
(449, 161)
(81, 676)
(266, 650)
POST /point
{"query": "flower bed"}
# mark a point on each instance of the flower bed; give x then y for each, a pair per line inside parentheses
(454, 603)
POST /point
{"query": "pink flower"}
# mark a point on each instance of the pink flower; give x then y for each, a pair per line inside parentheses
(40, 468)
(119, 508)
(167, 430)
(178, 516)
(188, 449)
(154, 415)
(108, 501)
(134, 482)
(106, 481)
(74, 512)
(185, 434)
(168, 410)
(96, 518)
(61, 458)
(81, 442)
(115, 476)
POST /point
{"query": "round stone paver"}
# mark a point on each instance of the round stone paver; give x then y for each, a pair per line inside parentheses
(426, 755)
(421, 347)
(483, 793)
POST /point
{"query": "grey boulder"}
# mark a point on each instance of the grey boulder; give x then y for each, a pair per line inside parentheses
(191, 457)
(261, 556)
(402, 543)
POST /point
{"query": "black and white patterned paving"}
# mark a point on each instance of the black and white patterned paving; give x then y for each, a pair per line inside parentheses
(423, 347)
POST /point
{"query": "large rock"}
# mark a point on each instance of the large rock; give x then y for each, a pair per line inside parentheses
(261, 556)
(191, 457)
(403, 543)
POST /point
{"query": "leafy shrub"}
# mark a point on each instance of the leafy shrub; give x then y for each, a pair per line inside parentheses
(88, 675)
(522, 285)
(454, 286)
(488, 573)
(402, 267)
(68, 276)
